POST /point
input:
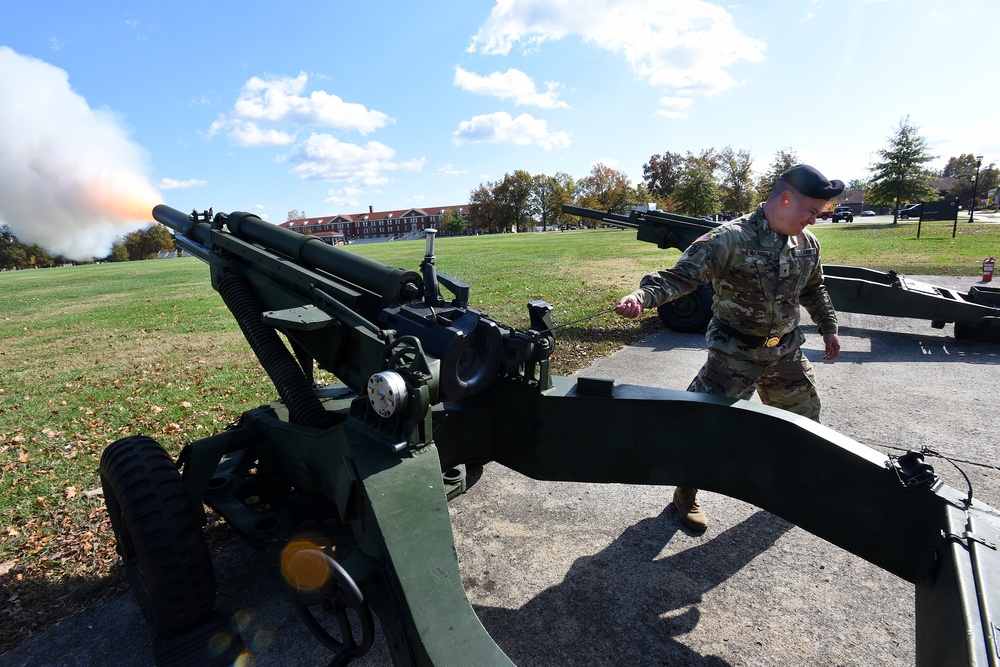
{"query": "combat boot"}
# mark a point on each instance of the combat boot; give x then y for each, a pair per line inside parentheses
(688, 508)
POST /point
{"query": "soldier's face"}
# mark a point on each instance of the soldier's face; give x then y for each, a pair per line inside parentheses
(796, 213)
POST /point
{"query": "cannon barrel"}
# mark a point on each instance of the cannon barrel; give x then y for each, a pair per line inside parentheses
(183, 224)
(393, 284)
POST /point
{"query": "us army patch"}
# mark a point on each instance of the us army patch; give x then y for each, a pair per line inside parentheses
(757, 252)
(701, 239)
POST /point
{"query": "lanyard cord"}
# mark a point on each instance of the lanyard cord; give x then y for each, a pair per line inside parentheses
(582, 319)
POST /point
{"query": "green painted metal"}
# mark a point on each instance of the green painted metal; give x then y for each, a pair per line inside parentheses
(363, 481)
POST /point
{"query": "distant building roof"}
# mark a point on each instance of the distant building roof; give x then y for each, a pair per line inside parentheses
(371, 214)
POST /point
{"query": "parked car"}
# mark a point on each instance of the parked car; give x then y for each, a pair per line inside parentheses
(911, 211)
(843, 213)
(824, 215)
(867, 214)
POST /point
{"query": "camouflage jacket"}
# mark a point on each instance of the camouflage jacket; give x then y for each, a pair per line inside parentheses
(760, 278)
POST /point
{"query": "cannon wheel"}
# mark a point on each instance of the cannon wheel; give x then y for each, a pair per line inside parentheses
(691, 312)
(159, 534)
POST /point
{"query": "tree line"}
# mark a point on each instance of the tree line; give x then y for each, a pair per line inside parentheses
(714, 182)
(140, 244)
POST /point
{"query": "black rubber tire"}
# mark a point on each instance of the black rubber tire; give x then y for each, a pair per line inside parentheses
(159, 534)
(690, 313)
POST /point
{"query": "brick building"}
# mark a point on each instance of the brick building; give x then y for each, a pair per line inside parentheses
(374, 225)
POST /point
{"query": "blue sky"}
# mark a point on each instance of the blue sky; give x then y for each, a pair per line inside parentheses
(329, 107)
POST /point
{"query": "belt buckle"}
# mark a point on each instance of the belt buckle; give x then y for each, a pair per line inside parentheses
(772, 341)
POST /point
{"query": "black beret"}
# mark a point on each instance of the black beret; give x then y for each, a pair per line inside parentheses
(811, 183)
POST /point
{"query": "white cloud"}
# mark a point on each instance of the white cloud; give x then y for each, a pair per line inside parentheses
(248, 134)
(324, 157)
(269, 111)
(174, 184)
(500, 128)
(448, 170)
(683, 45)
(673, 103)
(344, 197)
(672, 115)
(512, 84)
(272, 111)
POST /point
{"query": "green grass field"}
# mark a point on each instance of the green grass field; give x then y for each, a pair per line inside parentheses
(90, 354)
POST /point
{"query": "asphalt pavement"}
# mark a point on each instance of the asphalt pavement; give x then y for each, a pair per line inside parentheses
(585, 574)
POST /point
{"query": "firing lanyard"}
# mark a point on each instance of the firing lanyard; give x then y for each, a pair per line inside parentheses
(582, 319)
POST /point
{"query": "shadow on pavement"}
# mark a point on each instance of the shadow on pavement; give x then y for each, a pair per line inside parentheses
(642, 602)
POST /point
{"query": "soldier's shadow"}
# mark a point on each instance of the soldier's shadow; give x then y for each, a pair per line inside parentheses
(625, 606)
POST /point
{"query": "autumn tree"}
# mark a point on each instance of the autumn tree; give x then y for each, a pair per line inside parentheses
(662, 173)
(900, 175)
(145, 243)
(566, 191)
(606, 189)
(483, 208)
(295, 214)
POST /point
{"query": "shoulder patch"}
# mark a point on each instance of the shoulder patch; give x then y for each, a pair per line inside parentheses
(701, 239)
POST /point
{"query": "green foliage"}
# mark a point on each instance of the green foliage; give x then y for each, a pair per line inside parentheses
(453, 223)
(737, 191)
(900, 175)
(119, 253)
(697, 192)
(513, 196)
(662, 174)
(784, 159)
(13, 254)
(146, 243)
(17, 255)
(971, 179)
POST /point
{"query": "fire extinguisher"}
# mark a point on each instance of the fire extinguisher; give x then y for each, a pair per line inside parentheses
(988, 269)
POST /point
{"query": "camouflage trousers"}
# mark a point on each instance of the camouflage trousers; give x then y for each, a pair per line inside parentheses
(787, 382)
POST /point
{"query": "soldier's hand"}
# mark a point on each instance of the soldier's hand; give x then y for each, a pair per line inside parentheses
(832, 347)
(629, 307)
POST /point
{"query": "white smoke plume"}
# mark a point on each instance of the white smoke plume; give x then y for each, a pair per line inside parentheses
(71, 180)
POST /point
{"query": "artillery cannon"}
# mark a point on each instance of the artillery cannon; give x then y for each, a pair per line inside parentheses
(976, 313)
(351, 480)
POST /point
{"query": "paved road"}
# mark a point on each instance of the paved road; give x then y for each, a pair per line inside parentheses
(586, 574)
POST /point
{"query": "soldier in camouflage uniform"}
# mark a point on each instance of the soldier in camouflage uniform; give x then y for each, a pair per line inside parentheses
(762, 267)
